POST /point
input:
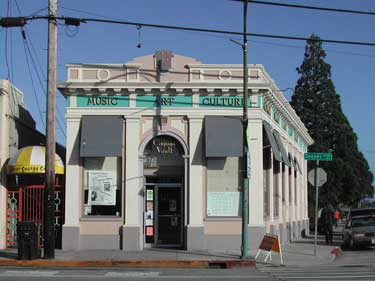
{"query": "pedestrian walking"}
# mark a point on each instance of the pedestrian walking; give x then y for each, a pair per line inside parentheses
(337, 217)
(328, 217)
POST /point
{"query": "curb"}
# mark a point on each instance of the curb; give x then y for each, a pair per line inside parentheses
(129, 264)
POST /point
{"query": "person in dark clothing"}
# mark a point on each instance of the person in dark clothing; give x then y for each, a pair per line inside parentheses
(328, 219)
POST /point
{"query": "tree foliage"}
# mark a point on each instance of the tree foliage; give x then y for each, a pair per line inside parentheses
(318, 105)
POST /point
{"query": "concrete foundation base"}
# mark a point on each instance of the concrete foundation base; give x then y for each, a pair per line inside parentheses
(132, 239)
(195, 238)
(70, 237)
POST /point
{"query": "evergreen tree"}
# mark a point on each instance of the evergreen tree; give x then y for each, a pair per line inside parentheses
(315, 100)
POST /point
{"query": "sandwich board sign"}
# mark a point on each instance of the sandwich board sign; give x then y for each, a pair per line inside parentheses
(270, 243)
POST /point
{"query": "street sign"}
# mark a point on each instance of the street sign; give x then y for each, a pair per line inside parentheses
(318, 156)
(321, 177)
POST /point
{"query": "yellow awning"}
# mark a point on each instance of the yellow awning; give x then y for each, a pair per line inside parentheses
(31, 160)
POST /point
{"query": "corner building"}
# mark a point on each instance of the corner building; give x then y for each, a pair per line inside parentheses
(154, 152)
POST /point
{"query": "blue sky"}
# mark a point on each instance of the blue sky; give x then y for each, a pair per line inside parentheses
(352, 66)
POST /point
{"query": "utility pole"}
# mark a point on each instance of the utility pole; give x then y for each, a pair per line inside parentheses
(49, 189)
(245, 183)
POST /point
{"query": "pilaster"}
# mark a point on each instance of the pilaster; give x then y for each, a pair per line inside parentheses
(132, 229)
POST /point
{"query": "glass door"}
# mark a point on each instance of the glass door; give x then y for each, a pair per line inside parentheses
(169, 216)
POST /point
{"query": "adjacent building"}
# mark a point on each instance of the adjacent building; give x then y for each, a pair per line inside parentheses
(154, 151)
(18, 190)
(17, 129)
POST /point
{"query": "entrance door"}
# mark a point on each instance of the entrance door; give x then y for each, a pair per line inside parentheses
(168, 216)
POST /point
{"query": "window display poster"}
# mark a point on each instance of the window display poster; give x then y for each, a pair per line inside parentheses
(87, 209)
(102, 188)
(149, 231)
(149, 215)
(149, 222)
(149, 195)
(150, 206)
(223, 204)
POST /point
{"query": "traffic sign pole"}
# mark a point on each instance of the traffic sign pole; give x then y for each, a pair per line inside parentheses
(317, 156)
(316, 205)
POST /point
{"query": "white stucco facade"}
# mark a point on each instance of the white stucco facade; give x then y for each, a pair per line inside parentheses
(173, 104)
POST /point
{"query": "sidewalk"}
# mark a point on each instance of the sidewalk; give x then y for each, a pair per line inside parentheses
(298, 253)
(149, 258)
(301, 253)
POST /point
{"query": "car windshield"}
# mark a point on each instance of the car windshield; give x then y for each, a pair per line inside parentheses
(363, 221)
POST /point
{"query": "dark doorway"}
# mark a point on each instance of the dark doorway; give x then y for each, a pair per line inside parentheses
(164, 170)
(168, 216)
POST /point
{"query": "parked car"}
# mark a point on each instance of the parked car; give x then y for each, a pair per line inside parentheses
(360, 212)
(359, 231)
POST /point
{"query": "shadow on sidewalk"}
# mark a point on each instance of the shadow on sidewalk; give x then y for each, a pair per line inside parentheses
(8, 255)
(195, 253)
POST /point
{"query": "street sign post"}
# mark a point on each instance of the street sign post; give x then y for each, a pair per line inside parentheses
(317, 181)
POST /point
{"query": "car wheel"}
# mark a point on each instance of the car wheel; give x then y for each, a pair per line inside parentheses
(351, 244)
(344, 245)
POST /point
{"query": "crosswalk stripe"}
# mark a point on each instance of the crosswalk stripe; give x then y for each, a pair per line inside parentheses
(33, 273)
(357, 273)
(131, 274)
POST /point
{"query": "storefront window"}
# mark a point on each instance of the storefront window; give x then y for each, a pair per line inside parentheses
(276, 195)
(266, 181)
(102, 188)
(223, 187)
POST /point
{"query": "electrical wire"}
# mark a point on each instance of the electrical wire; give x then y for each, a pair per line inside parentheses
(306, 7)
(302, 47)
(32, 82)
(40, 68)
(9, 73)
(85, 20)
(41, 84)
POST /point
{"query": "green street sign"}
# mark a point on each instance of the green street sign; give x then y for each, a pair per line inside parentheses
(318, 156)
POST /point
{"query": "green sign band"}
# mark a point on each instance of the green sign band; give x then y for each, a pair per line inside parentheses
(228, 102)
(164, 101)
(102, 101)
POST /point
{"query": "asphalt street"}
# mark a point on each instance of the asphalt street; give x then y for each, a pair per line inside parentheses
(331, 272)
(18, 274)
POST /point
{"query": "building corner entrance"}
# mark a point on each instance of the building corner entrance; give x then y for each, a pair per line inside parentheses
(164, 169)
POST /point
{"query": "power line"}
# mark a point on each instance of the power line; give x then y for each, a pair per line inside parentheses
(231, 38)
(306, 7)
(85, 20)
(59, 114)
(9, 73)
(32, 83)
(328, 50)
(36, 71)
(41, 83)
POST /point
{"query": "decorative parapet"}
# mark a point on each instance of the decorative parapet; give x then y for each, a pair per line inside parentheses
(187, 82)
(103, 73)
(224, 73)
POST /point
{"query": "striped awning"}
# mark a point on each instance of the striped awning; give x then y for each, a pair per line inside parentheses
(31, 160)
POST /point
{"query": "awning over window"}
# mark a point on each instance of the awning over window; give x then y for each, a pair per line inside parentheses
(291, 161)
(281, 148)
(223, 136)
(101, 136)
(297, 165)
(271, 138)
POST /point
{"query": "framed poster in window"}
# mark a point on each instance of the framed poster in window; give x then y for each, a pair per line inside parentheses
(102, 188)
